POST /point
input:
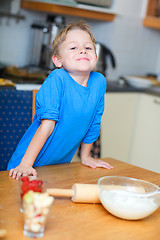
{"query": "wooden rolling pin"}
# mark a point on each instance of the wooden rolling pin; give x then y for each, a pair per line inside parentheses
(88, 193)
(80, 193)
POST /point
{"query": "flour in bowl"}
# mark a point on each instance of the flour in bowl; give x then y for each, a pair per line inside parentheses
(127, 205)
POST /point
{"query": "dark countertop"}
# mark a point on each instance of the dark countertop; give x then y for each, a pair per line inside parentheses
(113, 86)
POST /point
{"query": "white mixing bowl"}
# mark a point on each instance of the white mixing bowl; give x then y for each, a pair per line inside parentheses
(128, 198)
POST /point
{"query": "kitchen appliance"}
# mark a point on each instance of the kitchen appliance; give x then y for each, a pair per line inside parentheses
(100, 3)
(103, 55)
(43, 36)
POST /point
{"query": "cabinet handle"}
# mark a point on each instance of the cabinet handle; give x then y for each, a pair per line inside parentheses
(157, 101)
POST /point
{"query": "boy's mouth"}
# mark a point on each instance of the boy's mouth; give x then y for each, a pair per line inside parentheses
(83, 59)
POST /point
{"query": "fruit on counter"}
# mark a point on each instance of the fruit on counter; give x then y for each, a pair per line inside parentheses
(28, 184)
(24, 73)
(6, 82)
(36, 209)
(25, 179)
(28, 197)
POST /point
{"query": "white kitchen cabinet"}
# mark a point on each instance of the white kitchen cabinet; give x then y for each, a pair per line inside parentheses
(117, 125)
(145, 150)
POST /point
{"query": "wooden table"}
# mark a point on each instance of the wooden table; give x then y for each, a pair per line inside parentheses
(74, 221)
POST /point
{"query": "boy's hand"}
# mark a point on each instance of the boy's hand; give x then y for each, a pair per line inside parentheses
(22, 170)
(94, 163)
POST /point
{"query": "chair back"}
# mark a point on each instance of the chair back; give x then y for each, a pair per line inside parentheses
(34, 92)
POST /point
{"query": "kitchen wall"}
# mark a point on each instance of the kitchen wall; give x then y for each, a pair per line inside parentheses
(136, 48)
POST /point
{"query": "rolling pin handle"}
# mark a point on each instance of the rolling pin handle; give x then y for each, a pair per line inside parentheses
(57, 192)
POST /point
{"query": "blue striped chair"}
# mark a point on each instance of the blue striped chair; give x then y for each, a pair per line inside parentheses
(15, 118)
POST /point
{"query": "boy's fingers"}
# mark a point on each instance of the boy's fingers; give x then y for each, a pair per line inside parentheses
(11, 172)
(34, 172)
(14, 174)
(89, 165)
(92, 165)
(100, 163)
(97, 163)
(19, 174)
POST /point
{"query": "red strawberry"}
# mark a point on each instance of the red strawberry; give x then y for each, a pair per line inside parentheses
(25, 188)
(25, 179)
(38, 190)
(38, 215)
(40, 182)
(34, 181)
(22, 194)
(33, 186)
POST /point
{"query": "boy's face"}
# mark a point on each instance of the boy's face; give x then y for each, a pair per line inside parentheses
(77, 53)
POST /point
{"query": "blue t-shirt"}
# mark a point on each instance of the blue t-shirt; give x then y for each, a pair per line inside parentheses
(77, 111)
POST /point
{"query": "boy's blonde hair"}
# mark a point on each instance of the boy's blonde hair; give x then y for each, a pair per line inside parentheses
(61, 36)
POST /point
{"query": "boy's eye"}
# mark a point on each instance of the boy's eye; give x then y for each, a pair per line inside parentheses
(88, 48)
(72, 48)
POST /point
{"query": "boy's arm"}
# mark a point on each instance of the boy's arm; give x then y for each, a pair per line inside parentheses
(36, 144)
(87, 160)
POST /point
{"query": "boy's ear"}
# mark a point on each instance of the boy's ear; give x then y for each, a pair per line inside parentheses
(57, 61)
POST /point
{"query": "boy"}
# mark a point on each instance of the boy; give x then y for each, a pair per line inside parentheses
(69, 107)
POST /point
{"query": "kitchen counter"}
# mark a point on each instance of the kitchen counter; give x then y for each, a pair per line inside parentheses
(70, 220)
(115, 86)
(112, 86)
(27, 87)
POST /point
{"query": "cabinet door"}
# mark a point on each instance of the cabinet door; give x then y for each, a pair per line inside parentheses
(117, 125)
(146, 142)
(152, 19)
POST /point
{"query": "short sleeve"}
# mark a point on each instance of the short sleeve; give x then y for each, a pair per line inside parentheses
(94, 130)
(48, 98)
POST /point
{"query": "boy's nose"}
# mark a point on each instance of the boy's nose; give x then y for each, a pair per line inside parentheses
(83, 50)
